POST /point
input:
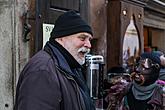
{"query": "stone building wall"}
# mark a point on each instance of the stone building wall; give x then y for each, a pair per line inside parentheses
(14, 53)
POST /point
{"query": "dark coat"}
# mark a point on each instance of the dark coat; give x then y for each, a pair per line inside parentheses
(43, 85)
(155, 102)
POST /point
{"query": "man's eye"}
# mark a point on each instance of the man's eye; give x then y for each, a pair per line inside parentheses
(90, 39)
(85, 37)
(82, 38)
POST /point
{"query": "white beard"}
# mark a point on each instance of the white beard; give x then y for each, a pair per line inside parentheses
(81, 60)
(78, 54)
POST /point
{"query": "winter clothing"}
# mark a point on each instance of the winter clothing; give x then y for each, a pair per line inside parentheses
(154, 102)
(75, 25)
(52, 80)
(144, 92)
(130, 101)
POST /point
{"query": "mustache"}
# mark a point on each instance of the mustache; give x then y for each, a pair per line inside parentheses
(84, 50)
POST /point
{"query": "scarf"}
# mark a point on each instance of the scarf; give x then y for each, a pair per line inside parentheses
(143, 92)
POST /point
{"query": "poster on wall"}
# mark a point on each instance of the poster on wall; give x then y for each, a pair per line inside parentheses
(47, 29)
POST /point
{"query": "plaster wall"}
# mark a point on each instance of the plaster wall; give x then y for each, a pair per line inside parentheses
(14, 53)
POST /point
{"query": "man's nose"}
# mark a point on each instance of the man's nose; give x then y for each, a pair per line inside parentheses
(87, 44)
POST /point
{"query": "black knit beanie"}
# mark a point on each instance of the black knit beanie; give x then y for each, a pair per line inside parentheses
(69, 23)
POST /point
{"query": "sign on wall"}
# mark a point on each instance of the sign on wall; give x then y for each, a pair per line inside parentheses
(47, 29)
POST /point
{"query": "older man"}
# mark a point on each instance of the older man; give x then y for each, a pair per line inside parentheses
(52, 79)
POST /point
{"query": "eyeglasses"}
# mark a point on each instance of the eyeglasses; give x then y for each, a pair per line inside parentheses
(146, 63)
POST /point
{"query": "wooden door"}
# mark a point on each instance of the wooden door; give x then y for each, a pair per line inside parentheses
(117, 24)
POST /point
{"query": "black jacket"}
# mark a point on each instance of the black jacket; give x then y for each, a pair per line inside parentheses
(47, 83)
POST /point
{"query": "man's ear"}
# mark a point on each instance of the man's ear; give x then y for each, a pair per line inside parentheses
(60, 41)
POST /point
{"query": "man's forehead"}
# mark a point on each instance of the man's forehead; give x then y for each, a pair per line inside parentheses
(86, 34)
(81, 34)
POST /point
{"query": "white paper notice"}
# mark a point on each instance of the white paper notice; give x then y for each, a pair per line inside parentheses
(47, 29)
